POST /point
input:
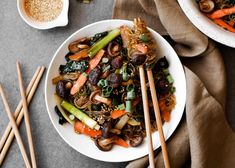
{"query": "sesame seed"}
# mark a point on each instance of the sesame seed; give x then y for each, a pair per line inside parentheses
(43, 10)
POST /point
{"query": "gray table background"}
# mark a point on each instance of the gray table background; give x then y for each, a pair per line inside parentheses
(34, 47)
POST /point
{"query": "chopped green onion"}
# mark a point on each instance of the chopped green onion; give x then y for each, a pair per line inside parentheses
(172, 90)
(121, 106)
(124, 72)
(106, 68)
(102, 83)
(103, 42)
(169, 79)
(128, 106)
(144, 37)
(105, 60)
(106, 91)
(130, 95)
(130, 87)
(166, 71)
(115, 102)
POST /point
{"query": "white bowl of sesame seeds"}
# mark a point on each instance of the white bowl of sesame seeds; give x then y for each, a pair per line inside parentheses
(44, 14)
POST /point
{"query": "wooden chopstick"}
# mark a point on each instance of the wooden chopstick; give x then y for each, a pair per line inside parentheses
(158, 117)
(146, 116)
(15, 128)
(20, 116)
(26, 116)
(18, 109)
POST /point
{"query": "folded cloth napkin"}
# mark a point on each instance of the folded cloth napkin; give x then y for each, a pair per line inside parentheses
(203, 138)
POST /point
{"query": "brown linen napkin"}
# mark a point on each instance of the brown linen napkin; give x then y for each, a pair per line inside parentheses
(203, 138)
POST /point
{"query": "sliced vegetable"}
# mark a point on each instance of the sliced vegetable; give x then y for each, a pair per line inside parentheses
(103, 42)
(104, 100)
(117, 113)
(133, 122)
(222, 12)
(128, 106)
(83, 129)
(119, 141)
(97, 58)
(223, 24)
(121, 106)
(72, 66)
(170, 79)
(80, 115)
(122, 122)
(106, 91)
(79, 55)
(79, 83)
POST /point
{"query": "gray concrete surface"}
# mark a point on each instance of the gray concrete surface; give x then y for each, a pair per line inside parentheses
(34, 47)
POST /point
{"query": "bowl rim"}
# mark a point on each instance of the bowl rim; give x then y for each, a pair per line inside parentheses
(198, 19)
(170, 132)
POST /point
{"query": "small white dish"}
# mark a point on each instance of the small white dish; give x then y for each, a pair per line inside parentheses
(205, 25)
(84, 144)
(61, 20)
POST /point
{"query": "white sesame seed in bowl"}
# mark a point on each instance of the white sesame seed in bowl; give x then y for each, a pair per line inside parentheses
(44, 14)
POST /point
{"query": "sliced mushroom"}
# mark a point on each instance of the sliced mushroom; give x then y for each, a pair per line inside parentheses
(106, 129)
(136, 140)
(104, 144)
(117, 62)
(206, 6)
(138, 58)
(114, 49)
(115, 79)
(78, 45)
(61, 90)
(104, 100)
(94, 75)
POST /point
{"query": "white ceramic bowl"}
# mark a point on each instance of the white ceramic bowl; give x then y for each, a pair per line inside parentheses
(84, 144)
(61, 20)
(205, 25)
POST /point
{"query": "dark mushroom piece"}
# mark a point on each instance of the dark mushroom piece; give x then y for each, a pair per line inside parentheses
(114, 49)
(136, 140)
(94, 75)
(106, 129)
(115, 80)
(61, 89)
(78, 45)
(117, 62)
(163, 86)
(206, 6)
(162, 63)
(104, 144)
(138, 58)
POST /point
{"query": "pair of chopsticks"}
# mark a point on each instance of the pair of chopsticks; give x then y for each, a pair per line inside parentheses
(147, 117)
(21, 110)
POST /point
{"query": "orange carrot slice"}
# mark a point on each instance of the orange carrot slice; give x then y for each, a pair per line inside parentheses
(221, 13)
(83, 129)
(79, 55)
(117, 113)
(79, 83)
(121, 142)
(223, 24)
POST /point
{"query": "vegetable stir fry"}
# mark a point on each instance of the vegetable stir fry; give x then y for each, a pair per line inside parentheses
(222, 12)
(98, 88)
